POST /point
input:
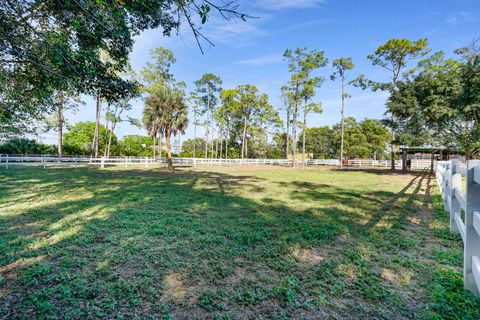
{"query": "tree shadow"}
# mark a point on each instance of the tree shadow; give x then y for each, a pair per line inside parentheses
(107, 243)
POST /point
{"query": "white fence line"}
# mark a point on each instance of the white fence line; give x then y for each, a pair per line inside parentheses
(46, 160)
(449, 177)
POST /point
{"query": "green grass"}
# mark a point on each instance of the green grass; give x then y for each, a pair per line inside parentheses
(227, 243)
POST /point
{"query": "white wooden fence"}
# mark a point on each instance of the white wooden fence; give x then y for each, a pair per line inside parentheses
(45, 160)
(464, 209)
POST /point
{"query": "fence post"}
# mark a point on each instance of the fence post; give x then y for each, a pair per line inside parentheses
(76, 162)
(447, 183)
(102, 162)
(472, 238)
(43, 161)
(6, 165)
(456, 182)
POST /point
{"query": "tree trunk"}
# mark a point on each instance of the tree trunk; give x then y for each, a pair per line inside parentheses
(226, 148)
(266, 142)
(212, 139)
(304, 129)
(244, 137)
(195, 139)
(160, 138)
(106, 128)
(343, 124)
(168, 135)
(216, 147)
(206, 136)
(97, 129)
(60, 121)
(153, 148)
(392, 146)
(294, 135)
(114, 124)
(288, 134)
(221, 147)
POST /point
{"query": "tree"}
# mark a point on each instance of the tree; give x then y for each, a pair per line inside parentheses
(158, 71)
(115, 116)
(286, 96)
(47, 45)
(342, 65)
(196, 114)
(165, 108)
(135, 145)
(355, 141)
(441, 99)
(319, 141)
(190, 145)
(226, 114)
(25, 147)
(302, 85)
(78, 139)
(64, 100)
(207, 89)
(377, 136)
(394, 57)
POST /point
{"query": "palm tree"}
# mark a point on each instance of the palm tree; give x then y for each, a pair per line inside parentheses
(165, 111)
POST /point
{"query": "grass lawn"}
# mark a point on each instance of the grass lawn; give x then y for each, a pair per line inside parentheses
(227, 243)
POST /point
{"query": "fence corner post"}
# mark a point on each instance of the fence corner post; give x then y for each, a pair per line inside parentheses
(471, 276)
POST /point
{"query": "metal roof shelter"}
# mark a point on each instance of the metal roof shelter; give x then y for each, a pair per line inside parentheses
(435, 154)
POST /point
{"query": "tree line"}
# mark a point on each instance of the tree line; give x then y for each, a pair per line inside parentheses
(51, 54)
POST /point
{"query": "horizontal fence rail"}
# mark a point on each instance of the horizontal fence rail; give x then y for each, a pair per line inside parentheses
(464, 209)
(47, 160)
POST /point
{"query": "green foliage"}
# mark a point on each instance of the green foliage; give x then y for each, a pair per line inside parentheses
(365, 139)
(26, 146)
(187, 146)
(51, 45)
(159, 70)
(319, 142)
(165, 112)
(135, 146)
(79, 138)
(341, 66)
(442, 100)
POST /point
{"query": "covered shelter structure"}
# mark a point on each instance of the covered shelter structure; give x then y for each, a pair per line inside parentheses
(426, 152)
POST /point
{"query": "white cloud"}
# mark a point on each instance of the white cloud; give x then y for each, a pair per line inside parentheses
(460, 18)
(289, 4)
(263, 60)
(303, 25)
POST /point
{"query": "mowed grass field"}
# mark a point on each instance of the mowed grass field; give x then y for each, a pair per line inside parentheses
(227, 243)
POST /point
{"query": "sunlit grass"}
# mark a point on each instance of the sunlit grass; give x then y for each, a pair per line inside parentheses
(226, 243)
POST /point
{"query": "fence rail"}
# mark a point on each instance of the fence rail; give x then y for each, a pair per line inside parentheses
(46, 160)
(464, 209)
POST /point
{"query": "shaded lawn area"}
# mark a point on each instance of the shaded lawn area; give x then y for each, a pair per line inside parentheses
(227, 243)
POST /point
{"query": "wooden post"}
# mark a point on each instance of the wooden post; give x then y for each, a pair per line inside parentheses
(102, 162)
(6, 165)
(471, 274)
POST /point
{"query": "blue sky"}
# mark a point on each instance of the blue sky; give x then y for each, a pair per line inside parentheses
(251, 52)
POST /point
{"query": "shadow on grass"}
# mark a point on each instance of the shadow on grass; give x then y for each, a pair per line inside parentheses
(108, 243)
